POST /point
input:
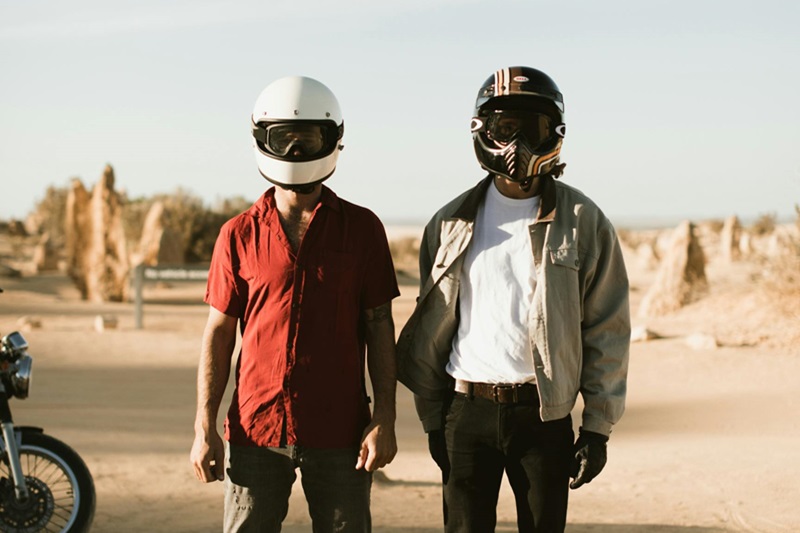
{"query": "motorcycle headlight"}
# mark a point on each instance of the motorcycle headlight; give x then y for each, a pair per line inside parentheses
(21, 378)
(14, 342)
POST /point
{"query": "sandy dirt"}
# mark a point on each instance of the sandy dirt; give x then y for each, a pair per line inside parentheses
(710, 441)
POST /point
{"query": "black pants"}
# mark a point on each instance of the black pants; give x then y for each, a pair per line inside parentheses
(485, 439)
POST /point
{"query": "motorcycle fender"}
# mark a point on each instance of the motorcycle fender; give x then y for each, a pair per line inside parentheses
(28, 429)
(20, 430)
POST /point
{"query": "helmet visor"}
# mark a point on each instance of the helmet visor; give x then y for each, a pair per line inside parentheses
(297, 140)
(504, 125)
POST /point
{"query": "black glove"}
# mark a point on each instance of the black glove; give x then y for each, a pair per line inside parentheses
(438, 448)
(589, 457)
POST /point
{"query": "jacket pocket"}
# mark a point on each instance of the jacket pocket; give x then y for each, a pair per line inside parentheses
(564, 288)
(566, 257)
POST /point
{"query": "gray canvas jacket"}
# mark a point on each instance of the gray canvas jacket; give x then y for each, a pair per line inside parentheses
(579, 318)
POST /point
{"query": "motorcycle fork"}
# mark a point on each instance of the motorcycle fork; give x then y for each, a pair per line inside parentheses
(11, 447)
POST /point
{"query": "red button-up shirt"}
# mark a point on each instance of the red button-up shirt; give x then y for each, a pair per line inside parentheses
(301, 364)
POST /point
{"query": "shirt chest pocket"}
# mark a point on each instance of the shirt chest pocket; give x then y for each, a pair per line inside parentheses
(337, 273)
(336, 281)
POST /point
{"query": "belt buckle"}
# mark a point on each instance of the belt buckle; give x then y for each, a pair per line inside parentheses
(497, 389)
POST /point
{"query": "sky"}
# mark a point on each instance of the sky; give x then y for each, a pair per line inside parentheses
(675, 109)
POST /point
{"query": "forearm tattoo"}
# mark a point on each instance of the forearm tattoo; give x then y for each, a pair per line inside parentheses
(379, 314)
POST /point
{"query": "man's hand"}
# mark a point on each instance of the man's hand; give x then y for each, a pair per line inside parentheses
(208, 456)
(378, 443)
(378, 446)
(208, 452)
(589, 459)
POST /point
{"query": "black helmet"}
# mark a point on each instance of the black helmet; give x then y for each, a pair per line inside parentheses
(518, 124)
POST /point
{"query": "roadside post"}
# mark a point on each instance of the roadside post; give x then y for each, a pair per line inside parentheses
(166, 273)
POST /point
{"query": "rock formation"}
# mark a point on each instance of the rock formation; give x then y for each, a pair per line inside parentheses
(646, 256)
(729, 246)
(159, 244)
(783, 241)
(97, 257)
(681, 277)
(77, 229)
(45, 254)
(746, 244)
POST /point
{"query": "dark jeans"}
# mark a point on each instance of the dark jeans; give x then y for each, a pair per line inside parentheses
(258, 483)
(485, 439)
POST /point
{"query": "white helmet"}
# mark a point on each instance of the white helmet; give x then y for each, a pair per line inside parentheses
(297, 127)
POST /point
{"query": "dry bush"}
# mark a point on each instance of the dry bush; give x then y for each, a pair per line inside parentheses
(781, 279)
(711, 226)
(133, 217)
(633, 238)
(781, 273)
(203, 233)
(627, 237)
(764, 224)
(50, 214)
(186, 215)
(405, 253)
(15, 228)
(797, 226)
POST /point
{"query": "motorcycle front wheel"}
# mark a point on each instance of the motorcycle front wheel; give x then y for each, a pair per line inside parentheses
(61, 491)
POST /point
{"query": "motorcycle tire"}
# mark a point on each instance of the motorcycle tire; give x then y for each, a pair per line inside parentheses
(62, 496)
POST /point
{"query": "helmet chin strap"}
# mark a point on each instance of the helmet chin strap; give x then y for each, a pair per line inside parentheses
(526, 184)
(555, 172)
(308, 188)
(305, 188)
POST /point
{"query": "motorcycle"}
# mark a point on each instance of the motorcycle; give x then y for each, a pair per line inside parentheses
(44, 484)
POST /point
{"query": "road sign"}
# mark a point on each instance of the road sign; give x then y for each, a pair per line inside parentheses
(167, 273)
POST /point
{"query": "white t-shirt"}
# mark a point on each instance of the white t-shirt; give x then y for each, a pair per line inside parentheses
(498, 277)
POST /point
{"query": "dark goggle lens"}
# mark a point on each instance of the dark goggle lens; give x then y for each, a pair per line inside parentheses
(503, 126)
(296, 139)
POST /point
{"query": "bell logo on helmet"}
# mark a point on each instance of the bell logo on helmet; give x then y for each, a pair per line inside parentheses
(521, 79)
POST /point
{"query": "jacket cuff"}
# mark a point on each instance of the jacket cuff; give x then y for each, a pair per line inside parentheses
(596, 425)
(432, 424)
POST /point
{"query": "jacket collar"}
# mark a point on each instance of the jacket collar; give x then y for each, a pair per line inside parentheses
(468, 209)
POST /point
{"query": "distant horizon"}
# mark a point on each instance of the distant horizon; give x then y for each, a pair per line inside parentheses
(407, 224)
(633, 222)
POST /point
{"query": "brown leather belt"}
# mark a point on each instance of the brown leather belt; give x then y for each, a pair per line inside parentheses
(500, 392)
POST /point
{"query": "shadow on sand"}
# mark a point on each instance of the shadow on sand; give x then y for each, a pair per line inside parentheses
(571, 528)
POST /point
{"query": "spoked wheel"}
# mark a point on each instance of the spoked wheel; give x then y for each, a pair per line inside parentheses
(61, 491)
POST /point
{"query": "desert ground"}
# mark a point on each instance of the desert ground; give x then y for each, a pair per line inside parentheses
(710, 441)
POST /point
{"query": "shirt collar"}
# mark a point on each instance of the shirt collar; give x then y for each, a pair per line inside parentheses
(266, 203)
(329, 199)
(547, 205)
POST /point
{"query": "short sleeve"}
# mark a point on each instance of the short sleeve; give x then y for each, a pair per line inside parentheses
(222, 289)
(380, 281)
